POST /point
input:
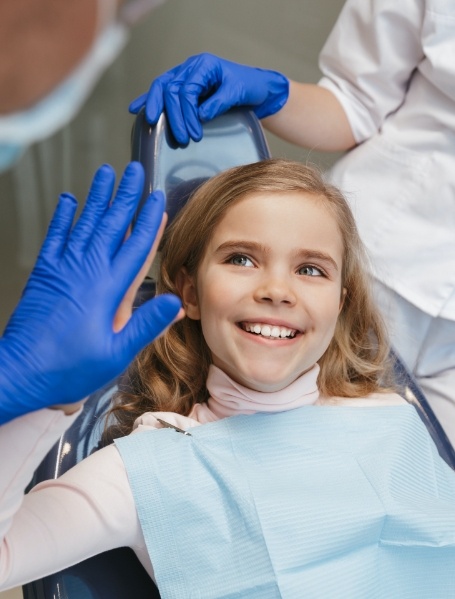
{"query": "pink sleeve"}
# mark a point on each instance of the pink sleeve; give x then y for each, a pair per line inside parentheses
(88, 510)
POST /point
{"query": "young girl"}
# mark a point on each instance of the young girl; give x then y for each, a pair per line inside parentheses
(324, 484)
(171, 374)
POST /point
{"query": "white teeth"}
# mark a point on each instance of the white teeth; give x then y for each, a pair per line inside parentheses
(269, 330)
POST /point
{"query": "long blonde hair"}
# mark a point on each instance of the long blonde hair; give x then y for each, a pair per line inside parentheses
(171, 373)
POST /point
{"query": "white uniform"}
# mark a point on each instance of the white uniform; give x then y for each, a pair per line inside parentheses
(392, 66)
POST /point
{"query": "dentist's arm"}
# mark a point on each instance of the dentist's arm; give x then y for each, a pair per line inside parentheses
(71, 333)
(312, 118)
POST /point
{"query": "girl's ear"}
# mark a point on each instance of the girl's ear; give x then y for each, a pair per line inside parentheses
(187, 290)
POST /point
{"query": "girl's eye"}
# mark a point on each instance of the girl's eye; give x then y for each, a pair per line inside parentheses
(240, 260)
(310, 271)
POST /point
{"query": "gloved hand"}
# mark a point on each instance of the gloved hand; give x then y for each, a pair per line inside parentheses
(205, 86)
(60, 344)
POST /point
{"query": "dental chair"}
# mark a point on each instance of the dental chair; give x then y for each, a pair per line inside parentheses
(232, 139)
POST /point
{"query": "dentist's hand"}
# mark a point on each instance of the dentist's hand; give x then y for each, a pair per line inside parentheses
(204, 87)
(67, 336)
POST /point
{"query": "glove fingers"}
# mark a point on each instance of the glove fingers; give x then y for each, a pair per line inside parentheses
(97, 203)
(59, 228)
(154, 104)
(147, 323)
(114, 225)
(239, 85)
(136, 248)
(219, 103)
(204, 76)
(181, 98)
(137, 104)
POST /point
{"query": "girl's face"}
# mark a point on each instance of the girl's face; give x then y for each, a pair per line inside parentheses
(268, 290)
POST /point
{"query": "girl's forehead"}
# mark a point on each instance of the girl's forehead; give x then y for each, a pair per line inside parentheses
(292, 207)
(286, 218)
(300, 198)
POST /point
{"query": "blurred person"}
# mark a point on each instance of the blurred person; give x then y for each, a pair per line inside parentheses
(52, 54)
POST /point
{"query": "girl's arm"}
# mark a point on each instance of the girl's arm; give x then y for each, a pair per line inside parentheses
(88, 510)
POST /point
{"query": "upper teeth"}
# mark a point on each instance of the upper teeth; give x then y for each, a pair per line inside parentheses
(267, 330)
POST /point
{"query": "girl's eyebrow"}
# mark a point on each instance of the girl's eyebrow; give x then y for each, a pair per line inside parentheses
(300, 254)
(316, 255)
(236, 246)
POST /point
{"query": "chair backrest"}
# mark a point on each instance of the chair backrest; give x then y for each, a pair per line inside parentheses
(232, 139)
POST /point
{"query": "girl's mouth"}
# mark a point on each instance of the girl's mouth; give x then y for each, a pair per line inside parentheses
(268, 330)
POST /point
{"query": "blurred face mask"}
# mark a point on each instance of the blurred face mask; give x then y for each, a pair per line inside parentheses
(19, 130)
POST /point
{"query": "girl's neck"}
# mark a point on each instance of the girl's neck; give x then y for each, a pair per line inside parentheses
(228, 398)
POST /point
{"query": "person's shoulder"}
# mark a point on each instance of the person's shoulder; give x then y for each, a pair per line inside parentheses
(373, 400)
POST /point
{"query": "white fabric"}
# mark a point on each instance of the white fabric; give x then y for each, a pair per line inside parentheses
(391, 64)
(64, 521)
(428, 344)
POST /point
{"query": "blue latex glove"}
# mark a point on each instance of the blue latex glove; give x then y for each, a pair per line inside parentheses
(60, 344)
(204, 87)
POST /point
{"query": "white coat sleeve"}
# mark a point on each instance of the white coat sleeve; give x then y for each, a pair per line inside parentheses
(369, 58)
(88, 510)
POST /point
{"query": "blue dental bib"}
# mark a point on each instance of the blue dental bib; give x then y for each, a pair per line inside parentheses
(313, 503)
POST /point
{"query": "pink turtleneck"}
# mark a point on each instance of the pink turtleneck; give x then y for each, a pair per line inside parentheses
(228, 398)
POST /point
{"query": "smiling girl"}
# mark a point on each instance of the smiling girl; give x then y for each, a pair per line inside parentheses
(300, 473)
(272, 274)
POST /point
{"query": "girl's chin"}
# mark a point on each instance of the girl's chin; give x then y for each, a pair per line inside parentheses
(265, 376)
(264, 382)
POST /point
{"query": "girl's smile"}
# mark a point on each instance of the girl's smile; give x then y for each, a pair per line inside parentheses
(268, 290)
(270, 330)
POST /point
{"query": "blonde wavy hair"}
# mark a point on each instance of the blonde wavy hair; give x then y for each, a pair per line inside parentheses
(171, 373)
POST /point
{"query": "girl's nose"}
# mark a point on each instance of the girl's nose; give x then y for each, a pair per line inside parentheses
(275, 290)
